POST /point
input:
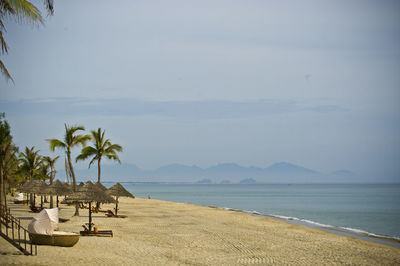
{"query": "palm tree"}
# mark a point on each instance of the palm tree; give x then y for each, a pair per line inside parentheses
(8, 150)
(21, 11)
(8, 167)
(101, 147)
(51, 163)
(70, 141)
(30, 162)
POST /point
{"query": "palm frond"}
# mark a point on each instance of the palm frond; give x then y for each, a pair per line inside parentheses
(50, 161)
(49, 6)
(25, 12)
(113, 157)
(114, 147)
(4, 46)
(86, 153)
(30, 161)
(95, 158)
(55, 143)
(5, 72)
(81, 139)
(72, 129)
(6, 7)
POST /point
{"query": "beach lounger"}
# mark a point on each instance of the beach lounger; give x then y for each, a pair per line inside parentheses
(62, 239)
(41, 230)
(63, 220)
(35, 209)
(111, 214)
(86, 232)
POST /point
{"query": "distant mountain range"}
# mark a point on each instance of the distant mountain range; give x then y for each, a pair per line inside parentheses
(224, 173)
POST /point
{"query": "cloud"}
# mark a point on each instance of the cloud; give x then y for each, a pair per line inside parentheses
(212, 109)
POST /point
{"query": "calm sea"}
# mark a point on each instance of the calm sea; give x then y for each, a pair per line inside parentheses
(361, 208)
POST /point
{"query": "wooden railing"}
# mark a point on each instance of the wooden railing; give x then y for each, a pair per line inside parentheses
(12, 231)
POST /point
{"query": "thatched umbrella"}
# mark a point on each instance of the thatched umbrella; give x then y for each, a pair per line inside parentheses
(118, 191)
(89, 193)
(39, 188)
(35, 187)
(101, 186)
(26, 188)
(59, 189)
(68, 186)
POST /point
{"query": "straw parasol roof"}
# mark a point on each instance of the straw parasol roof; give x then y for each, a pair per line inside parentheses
(101, 186)
(89, 193)
(26, 187)
(68, 186)
(119, 191)
(58, 188)
(37, 187)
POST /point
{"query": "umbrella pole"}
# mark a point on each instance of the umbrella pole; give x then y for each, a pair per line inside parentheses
(116, 206)
(90, 216)
(41, 201)
(57, 201)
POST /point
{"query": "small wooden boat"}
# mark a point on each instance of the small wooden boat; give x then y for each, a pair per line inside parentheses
(58, 238)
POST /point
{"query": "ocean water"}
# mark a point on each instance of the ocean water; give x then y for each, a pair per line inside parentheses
(365, 208)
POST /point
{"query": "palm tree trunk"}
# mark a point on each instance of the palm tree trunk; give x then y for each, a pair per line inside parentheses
(72, 170)
(30, 179)
(51, 182)
(98, 170)
(73, 181)
(1, 186)
(98, 180)
(4, 192)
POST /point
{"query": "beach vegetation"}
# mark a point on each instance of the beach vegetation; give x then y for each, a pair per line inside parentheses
(8, 157)
(30, 163)
(51, 163)
(20, 11)
(102, 148)
(71, 139)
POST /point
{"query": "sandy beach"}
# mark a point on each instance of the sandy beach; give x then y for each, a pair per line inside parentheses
(166, 233)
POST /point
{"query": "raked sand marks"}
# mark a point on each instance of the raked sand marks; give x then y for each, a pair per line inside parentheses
(164, 233)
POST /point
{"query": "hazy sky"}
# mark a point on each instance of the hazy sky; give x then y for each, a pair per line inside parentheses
(314, 83)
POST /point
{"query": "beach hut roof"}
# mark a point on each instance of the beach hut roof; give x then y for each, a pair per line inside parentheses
(58, 188)
(37, 187)
(119, 191)
(89, 193)
(68, 186)
(26, 186)
(41, 188)
(101, 186)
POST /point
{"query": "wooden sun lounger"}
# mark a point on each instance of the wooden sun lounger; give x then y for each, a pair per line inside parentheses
(111, 214)
(86, 232)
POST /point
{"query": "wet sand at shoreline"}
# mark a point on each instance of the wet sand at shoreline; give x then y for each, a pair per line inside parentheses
(167, 233)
